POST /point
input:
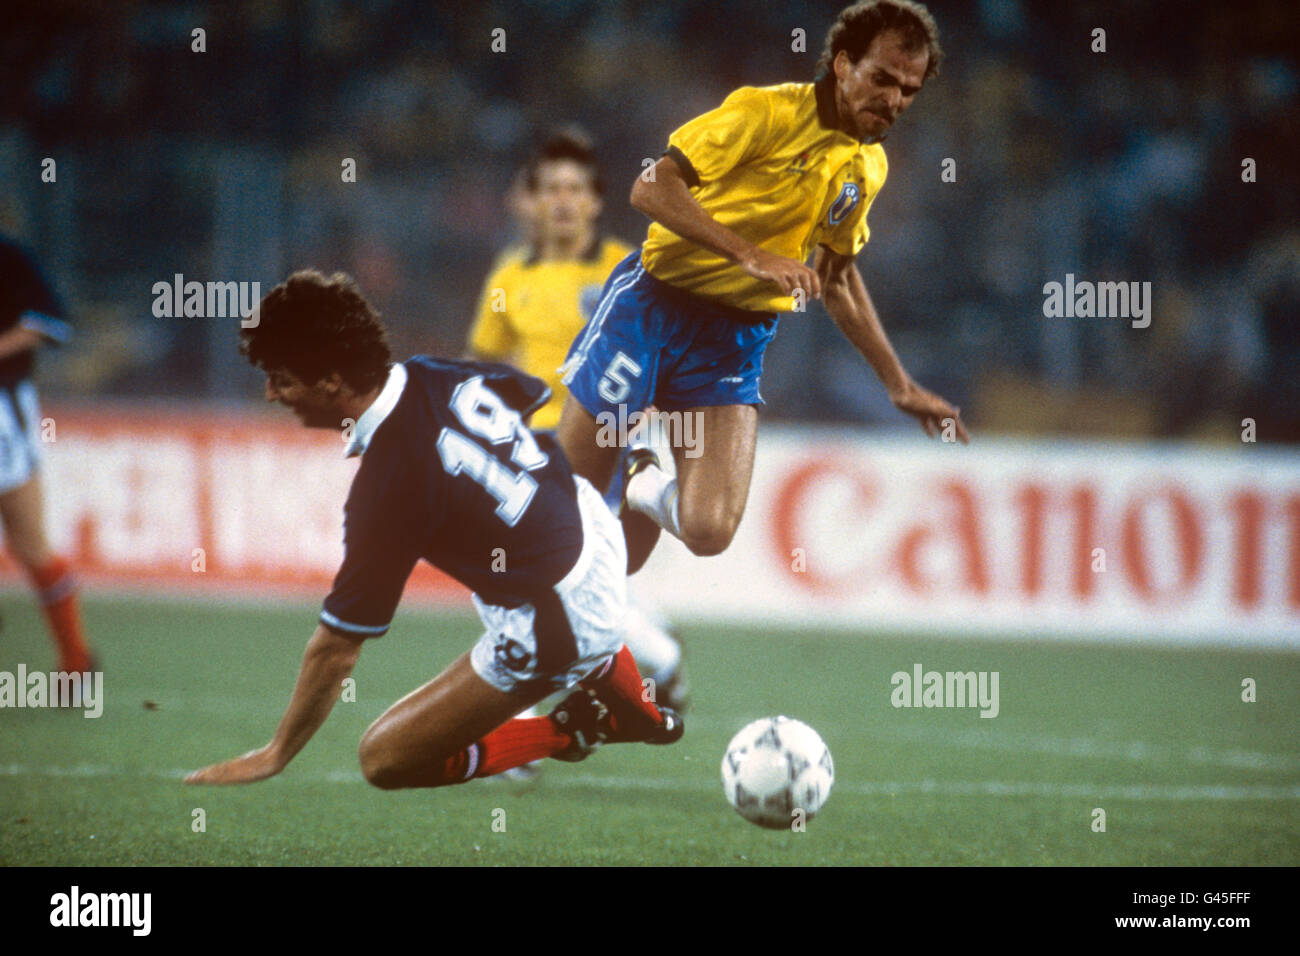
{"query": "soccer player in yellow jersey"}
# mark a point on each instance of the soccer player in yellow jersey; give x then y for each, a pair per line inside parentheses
(535, 303)
(741, 198)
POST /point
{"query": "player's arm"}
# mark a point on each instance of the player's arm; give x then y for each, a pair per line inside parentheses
(491, 337)
(845, 296)
(666, 198)
(40, 322)
(328, 660)
(19, 339)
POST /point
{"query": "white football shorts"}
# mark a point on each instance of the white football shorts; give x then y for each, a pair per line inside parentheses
(20, 422)
(558, 643)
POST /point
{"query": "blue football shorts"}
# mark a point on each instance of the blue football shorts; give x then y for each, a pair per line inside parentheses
(650, 343)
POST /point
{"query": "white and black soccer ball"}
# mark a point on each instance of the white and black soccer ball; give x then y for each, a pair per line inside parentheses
(775, 767)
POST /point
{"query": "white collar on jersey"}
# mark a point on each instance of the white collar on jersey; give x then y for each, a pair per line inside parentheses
(379, 410)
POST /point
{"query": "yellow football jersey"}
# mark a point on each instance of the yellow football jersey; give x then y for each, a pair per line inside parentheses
(769, 165)
(530, 313)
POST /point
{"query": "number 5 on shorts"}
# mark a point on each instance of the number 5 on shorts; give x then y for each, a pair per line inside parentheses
(614, 384)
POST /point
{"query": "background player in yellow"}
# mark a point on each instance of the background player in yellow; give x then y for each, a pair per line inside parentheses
(533, 305)
(741, 198)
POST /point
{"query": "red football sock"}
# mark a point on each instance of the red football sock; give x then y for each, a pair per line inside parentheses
(58, 593)
(518, 742)
(525, 739)
(619, 685)
(513, 744)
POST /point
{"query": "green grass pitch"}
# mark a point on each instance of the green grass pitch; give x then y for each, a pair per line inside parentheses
(1159, 739)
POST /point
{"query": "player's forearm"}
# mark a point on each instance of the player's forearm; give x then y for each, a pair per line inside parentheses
(850, 306)
(669, 202)
(328, 660)
(18, 339)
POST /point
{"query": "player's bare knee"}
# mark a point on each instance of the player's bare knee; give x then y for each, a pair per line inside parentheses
(708, 546)
(376, 765)
(708, 537)
(382, 776)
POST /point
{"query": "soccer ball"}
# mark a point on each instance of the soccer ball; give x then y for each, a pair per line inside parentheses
(774, 767)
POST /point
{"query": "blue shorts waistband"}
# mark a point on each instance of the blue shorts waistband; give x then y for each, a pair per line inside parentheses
(697, 302)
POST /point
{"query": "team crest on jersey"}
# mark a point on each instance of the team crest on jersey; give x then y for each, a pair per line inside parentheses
(589, 299)
(844, 203)
(512, 655)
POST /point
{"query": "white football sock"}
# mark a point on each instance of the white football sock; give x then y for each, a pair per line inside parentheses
(656, 653)
(654, 494)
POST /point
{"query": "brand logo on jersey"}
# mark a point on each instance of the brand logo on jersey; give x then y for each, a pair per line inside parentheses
(589, 299)
(800, 165)
(844, 203)
(512, 655)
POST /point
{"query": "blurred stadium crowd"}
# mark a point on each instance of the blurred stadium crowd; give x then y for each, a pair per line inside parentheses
(1123, 165)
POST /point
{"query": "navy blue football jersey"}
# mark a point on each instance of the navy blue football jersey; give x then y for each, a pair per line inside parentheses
(26, 296)
(453, 475)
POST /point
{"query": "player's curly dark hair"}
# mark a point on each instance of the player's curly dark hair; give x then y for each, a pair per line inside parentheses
(856, 26)
(570, 143)
(311, 325)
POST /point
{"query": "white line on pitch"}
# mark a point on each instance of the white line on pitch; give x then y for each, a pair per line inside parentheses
(1137, 751)
(881, 788)
(995, 739)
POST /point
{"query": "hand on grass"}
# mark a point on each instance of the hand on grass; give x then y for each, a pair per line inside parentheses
(252, 766)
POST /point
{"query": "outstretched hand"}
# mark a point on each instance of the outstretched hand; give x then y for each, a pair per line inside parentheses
(252, 766)
(930, 409)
